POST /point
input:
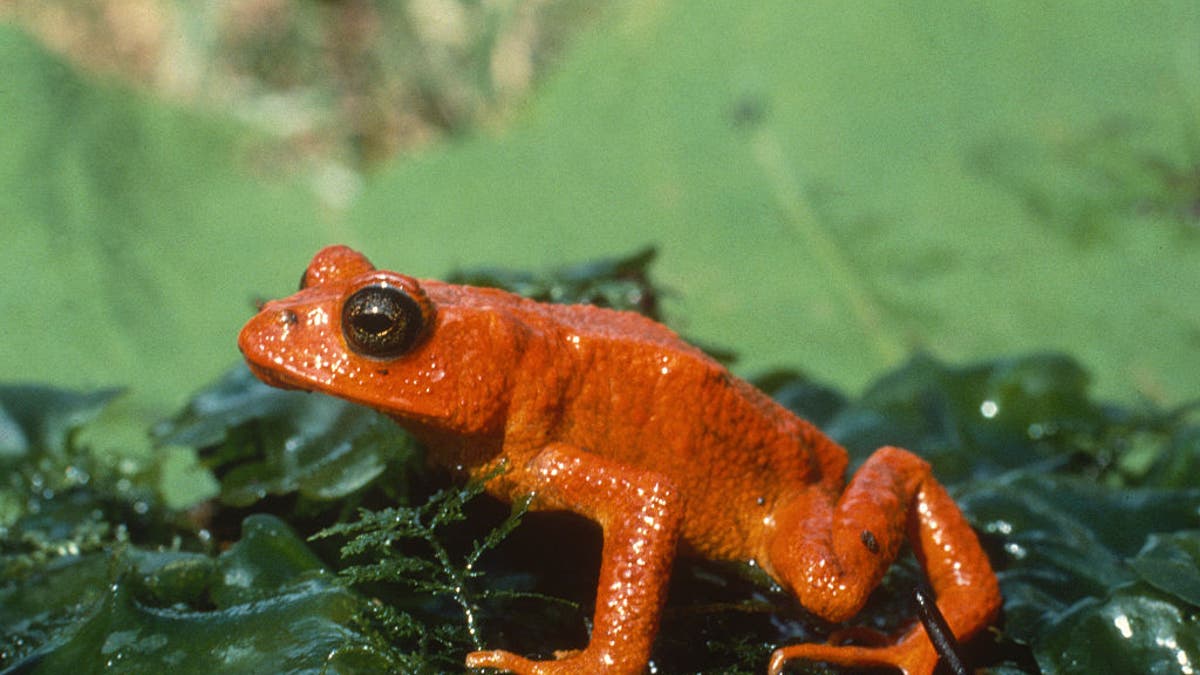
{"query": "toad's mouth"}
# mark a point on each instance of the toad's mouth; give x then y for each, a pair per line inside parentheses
(276, 378)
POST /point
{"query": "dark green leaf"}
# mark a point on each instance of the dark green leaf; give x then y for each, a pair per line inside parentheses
(266, 605)
(302, 631)
(1132, 631)
(1171, 563)
(43, 419)
(1179, 465)
(984, 419)
(236, 398)
(269, 557)
(618, 283)
(1063, 540)
(264, 441)
(171, 578)
(814, 401)
(41, 605)
(40, 459)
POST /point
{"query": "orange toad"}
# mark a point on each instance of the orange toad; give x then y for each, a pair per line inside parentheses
(612, 416)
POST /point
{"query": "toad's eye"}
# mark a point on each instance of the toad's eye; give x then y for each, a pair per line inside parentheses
(381, 321)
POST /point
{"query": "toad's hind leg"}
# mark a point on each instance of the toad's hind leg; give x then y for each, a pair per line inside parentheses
(832, 555)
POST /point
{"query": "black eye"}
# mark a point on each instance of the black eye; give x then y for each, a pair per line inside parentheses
(381, 321)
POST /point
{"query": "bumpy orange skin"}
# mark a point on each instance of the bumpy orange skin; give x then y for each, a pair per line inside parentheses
(612, 416)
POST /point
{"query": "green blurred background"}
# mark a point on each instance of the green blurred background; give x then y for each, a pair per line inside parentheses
(831, 185)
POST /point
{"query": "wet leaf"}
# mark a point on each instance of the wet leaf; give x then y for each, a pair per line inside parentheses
(40, 418)
(983, 419)
(268, 557)
(264, 441)
(815, 401)
(39, 458)
(266, 605)
(617, 283)
(1132, 631)
(1171, 563)
(1062, 540)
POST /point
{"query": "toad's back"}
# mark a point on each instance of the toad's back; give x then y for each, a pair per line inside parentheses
(619, 385)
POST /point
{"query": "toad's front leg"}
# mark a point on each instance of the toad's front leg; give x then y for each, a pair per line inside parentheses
(640, 513)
